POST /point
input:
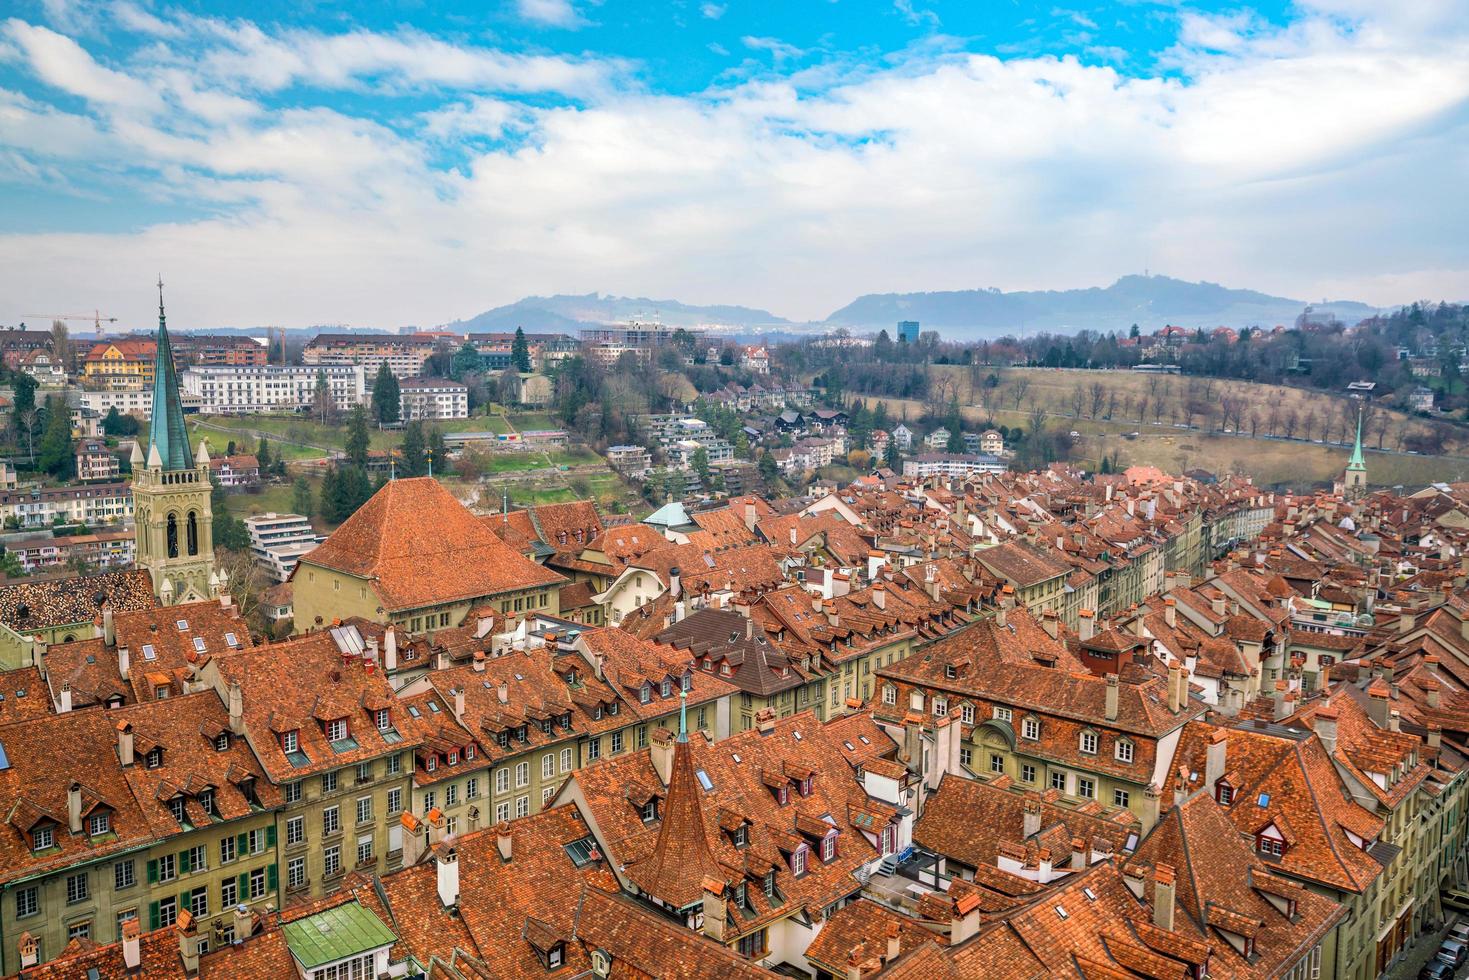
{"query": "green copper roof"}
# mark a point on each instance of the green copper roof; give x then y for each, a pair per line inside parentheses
(336, 934)
(1357, 462)
(167, 430)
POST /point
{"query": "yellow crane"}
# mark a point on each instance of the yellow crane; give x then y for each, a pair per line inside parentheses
(97, 318)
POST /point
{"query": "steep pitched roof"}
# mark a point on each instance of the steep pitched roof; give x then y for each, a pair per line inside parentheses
(423, 547)
(166, 432)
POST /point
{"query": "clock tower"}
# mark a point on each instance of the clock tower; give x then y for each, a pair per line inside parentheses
(171, 489)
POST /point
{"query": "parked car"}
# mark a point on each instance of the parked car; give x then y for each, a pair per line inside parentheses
(1436, 970)
(1453, 953)
(1459, 932)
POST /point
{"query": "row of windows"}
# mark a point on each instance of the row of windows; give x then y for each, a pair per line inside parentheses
(1030, 727)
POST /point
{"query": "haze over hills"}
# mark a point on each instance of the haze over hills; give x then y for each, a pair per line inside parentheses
(1148, 301)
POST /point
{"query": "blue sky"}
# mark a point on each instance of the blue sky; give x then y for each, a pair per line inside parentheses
(380, 164)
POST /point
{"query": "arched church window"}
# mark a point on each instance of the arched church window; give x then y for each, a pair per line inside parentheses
(193, 532)
(173, 535)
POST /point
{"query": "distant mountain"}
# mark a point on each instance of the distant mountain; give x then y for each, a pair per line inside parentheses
(1148, 301)
(564, 314)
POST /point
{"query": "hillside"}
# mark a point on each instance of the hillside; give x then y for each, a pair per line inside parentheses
(568, 313)
(1149, 301)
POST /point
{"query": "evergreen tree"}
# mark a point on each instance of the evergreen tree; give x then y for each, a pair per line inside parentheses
(262, 455)
(438, 452)
(54, 454)
(301, 497)
(229, 531)
(882, 347)
(466, 361)
(413, 457)
(328, 496)
(894, 459)
(700, 462)
(954, 421)
(386, 396)
(25, 393)
(358, 437)
(520, 351)
(768, 470)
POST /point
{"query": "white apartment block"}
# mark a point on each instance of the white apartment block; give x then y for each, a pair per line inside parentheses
(433, 398)
(277, 542)
(104, 503)
(404, 355)
(248, 389)
(951, 464)
(138, 402)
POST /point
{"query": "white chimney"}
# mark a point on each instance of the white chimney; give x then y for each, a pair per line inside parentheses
(65, 699)
(109, 632)
(125, 743)
(132, 944)
(459, 704)
(74, 807)
(1214, 759)
(503, 842)
(124, 662)
(1163, 886)
(447, 862)
(390, 648)
(675, 582)
(237, 709)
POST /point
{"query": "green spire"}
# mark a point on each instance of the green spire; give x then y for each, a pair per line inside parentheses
(166, 432)
(1357, 462)
(683, 716)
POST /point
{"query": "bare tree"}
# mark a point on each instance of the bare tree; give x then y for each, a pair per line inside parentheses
(1111, 403)
(1309, 423)
(1154, 380)
(1078, 401)
(1159, 406)
(1290, 423)
(28, 420)
(1400, 436)
(61, 345)
(1254, 420)
(1142, 409)
(1098, 393)
(1018, 390)
(1379, 424)
(1272, 417)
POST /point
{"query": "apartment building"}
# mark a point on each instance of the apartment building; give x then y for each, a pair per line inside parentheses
(95, 462)
(277, 542)
(404, 354)
(951, 465)
(44, 550)
(211, 350)
(120, 364)
(251, 389)
(432, 399)
(98, 503)
(342, 757)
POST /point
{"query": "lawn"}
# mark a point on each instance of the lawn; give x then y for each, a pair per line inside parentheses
(534, 420)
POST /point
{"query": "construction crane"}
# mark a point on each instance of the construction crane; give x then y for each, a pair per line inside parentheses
(97, 318)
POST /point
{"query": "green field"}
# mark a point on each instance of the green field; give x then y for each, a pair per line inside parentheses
(298, 437)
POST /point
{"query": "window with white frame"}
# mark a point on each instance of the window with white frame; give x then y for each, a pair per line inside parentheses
(1123, 750)
(1088, 743)
(1001, 714)
(1030, 729)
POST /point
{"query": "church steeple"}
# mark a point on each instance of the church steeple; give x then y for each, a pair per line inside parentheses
(171, 506)
(1357, 463)
(1354, 480)
(167, 432)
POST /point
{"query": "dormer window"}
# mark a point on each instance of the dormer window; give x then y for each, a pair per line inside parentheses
(612, 708)
(222, 742)
(336, 730)
(383, 719)
(783, 795)
(469, 751)
(806, 786)
(547, 725)
(555, 956)
(709, 664)
(290, 742)
(99, 823)
(1088, 743)
(950, 671)
(522, 733)
(940, 707)
(503, 738)
(597, 712)
(724, 668)
(829, 847)
(1030, 728)
(739, 894)
(665, 689)
(42, 838)
(798, 861)
(176, 807)
(206, 801)
(453, 757)
(1123, 750)
(153, 759)
(650, 810)
(645, 693)
(566, 720)
(433, 762)
(1223, 793)
(686, 682)
(740, 837)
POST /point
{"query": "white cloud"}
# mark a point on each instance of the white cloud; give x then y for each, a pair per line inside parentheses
(553, 13)
(713, 11)
(917, 16)
(1310, 160)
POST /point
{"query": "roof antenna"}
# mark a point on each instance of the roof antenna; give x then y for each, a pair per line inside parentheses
(505, 505)
(160, 300)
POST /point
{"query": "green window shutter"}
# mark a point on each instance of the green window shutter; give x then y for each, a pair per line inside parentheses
(242, 845)
(244, 888)
(153, 920)
(153, 873)
(270, 877)
(184, 866)
(270, 835)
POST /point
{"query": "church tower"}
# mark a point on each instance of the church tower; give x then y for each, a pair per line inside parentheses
(1354, 480)
(175, 537)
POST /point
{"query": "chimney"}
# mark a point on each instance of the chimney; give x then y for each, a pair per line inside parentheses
(1170, 615)
(479, 661)
(965, 922)
(895, 943)
(1002, 616)
(132, 944)
(1032, 817)
(831, 614)
(1180, 786)
(1088, 625)
(1175, 671)
(1377, 693)
(459, 703)
(1325, 726)
(1435, 736)
(1214, 759)
(74, 807)
(675, 582)
(1406, 623)
(447, 862)
(390, 648)
(1112, 696)
(679, 611)
(243, 922)
(1081, 854)
(912, 748)
(1163, 897)
(750, 515)
(30, 950)
(793, 535)
(765, 721)
(879, 597)
(1218, 604)
(109, 632)
(125, 743)
(188, 943)
(1051, 624)
(1152, 806)
(1045, 871)
(502, 691)
(124, 662)
(64, 698)
(1430, 686)
(237, 709)
(503, 841)
(1394, 720)
(413, 839)
(662, 755)
(715, 909)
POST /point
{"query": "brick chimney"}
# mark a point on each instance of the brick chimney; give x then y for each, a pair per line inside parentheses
(714, 909)
(1175, 671)
(1113, 690)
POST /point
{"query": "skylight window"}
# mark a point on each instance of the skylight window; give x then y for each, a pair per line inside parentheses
(797, 735)
(199, 644)
(703, 778)
(433, 706)
(1061, 911)
(736, 757)
(413, 710)
(1264, 800)
(1089, 894)
(231, 639)
(863, 740)
(183, 625)
(149, 653)
(850, 747)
